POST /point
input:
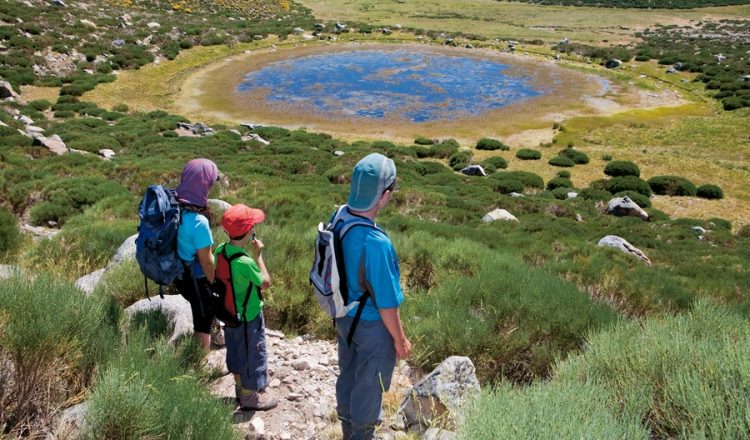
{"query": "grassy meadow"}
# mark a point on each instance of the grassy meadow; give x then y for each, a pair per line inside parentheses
(570, 340)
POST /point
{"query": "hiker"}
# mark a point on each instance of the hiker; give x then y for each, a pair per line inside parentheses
(246, 342)
(194, 242)
(366, 365)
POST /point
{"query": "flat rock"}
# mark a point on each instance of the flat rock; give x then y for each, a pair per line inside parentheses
(174, 307)
(624, 206)
(88, 283)
(624, 246)
(125, 252)
(499, 214)
(53, 144)
(106, 153)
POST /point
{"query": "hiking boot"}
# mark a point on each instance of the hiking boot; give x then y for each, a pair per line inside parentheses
(237, 393)
(251, 400)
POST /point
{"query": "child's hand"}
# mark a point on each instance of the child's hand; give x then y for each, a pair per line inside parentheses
(257, 246)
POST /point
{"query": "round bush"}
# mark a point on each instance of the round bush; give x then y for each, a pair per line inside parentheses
(491, 144)
(497, 161)
(622, 168)
(528, 154)
(421, 140)
(595, 194)
(561, 161)
(561, 193)
(576, 156)
(628, 183)
(10, 235)
(744, 231)
(638, 198)
(710, 192)
(459, 160)
(507, 185)
(565, 174)
(425, 168)
(607, 157)
(529, 180)
(61, 114)
(40, 104)
(671, 186)
(559, 182)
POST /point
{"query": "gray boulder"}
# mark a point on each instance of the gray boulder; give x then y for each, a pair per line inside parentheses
(174, 307)
(6, 90)
(438, 434)
(71, 423)
(52, 143)
(106, 153)
(498, 214)
(613, 63)
(338, 153)
(623, 245)
(623, 206)
(118, 42)
(125, 252)
(298, 31)
(88, 283)
(440, 394)
(25, 120)
(474, 170)
(6, 271)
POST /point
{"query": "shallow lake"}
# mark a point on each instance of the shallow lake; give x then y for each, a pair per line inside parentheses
(411, 85)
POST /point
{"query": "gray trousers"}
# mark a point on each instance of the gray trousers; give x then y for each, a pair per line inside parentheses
(366, 367)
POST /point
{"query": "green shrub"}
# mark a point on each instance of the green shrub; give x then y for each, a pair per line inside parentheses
(622, 168)
(421, 140)
(425, 168)
(491, 145)
(559, 182)
(628, 183)
(561, 161)
(710, 192)
(40, 104)
(459, 160)
(495, 161)
(671, 186)
(595, 194)
(565, 174)
(529, 179)
(744, 231)
(607, 157)
(10, 235)
(561, 193)
(638, 198)
(64, 114)
(122, 108)
(52, 339)
(507, 185)
(576, 156)
(528, 154)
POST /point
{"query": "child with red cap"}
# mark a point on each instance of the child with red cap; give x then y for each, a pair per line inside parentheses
(246, 343)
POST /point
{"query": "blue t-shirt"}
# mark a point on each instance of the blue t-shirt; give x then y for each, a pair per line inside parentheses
(194, 233)
(381, 270)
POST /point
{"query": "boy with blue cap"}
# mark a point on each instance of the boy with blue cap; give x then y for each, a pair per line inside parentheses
(366, 364)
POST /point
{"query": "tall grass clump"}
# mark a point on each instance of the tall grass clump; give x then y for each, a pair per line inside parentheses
(51, 339)
(563, 411)
(10, 235)
(510, 319)
(149, 391)
(685, 376)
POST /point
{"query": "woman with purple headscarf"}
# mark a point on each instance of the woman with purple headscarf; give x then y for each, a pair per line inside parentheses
(194, 242)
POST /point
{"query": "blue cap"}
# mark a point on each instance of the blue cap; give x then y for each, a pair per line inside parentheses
(371, 176)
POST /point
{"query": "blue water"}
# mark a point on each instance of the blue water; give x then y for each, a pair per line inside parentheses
(413, 85)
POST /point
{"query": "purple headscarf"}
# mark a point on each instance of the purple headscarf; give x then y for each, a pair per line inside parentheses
(196, 180)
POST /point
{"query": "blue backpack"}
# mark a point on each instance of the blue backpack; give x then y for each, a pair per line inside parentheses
(156, 244)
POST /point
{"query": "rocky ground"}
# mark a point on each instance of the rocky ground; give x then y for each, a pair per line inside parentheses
(302, 374)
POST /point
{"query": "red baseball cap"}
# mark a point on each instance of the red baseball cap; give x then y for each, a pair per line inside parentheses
(239, 219)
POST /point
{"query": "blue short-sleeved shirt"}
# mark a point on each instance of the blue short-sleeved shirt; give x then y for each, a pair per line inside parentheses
(194, 233)
(381, 269)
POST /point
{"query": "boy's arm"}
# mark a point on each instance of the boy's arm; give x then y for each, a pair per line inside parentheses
(266, 277)
(392, 320)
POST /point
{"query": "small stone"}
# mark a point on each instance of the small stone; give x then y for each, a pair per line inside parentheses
(274, 383)
(294, 397)
(301, 365)
(338, 153)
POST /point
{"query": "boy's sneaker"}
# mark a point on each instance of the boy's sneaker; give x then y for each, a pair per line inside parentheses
(251, 400)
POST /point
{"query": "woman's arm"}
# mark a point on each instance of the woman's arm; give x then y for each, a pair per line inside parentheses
(206, 260)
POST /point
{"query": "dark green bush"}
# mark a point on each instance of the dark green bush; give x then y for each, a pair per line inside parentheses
(459, 160)
(576, 156)
(709, 191)
(529, 179)
(628, 183)
(638, 198)
(565, 174)
(122, 108)
(744, 231)
(421, 140)
(561, 161)
(561, 193)
(559, 182)
(64, 114)
(491, 145)
(622, 168)
(606, 157)
(40, 104)
(528, 154)
(10, 235)
(595, 194)
(425, 168)
(496, 161)
(507, 185)
(672, 186)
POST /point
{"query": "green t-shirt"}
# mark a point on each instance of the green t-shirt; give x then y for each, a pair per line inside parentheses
(244, 271)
